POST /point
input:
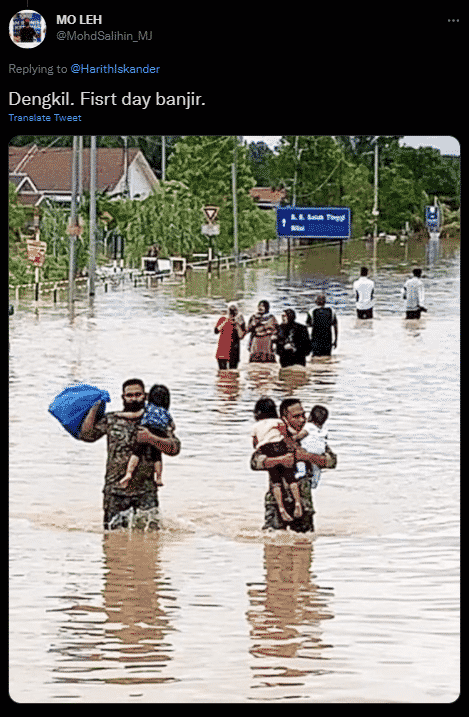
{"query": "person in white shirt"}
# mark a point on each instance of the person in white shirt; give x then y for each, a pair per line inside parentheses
(414, 294)
(364, 290)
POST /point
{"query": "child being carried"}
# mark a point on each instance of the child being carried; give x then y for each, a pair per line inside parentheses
(156, 417)
(313, 439)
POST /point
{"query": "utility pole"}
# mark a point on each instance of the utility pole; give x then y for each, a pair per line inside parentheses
(126, 169)
(92, 268)
(73, 223)
(80, 170)
(235, 200)
(375, 211)
(235, 213)
(297, 159)
(296, 171)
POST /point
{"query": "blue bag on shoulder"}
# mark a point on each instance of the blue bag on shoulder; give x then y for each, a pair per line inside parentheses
(73, 403)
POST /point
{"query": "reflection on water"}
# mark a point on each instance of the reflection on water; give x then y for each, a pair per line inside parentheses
(286, 611)
(211, 608)
(129, 630)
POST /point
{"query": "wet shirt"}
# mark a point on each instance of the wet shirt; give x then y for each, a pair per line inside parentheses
(414, 294)
(121, 434)
(364, 287)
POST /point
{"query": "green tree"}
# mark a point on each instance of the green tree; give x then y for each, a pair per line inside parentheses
(170, 218)
(19, 267)
(319, 171)
(261, 160)
(203, 165)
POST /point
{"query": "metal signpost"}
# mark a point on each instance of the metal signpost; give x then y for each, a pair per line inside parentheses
(210, 229)
(314, 223)
(432, 220)
(36, 253)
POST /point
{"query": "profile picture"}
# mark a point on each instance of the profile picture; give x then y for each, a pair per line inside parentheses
(27, 29)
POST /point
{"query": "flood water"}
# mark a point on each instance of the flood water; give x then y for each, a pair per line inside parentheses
(211, 608)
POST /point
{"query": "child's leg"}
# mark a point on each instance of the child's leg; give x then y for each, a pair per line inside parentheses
(131, 466)
(158, 469)
(277, 491)
(295, 489)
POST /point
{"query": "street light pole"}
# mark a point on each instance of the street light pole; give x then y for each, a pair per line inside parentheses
(375, 211)
(235, 200)
(73, 223)
(92, 269)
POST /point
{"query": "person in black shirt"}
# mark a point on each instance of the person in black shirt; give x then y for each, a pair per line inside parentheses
(28, 33)
(293, 344)
(322, 320)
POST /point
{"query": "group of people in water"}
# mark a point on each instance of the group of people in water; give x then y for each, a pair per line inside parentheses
(291, 340)
(287, 444)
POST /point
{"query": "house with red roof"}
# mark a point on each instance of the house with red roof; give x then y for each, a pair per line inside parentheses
(268, 198)
(45, 173)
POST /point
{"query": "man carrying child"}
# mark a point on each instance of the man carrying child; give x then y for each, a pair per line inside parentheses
(294, 416)
(141, 492)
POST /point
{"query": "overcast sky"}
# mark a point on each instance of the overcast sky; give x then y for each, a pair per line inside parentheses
(446, 144)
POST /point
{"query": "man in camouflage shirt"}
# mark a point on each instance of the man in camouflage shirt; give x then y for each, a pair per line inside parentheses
(142, 493)
(293, 414)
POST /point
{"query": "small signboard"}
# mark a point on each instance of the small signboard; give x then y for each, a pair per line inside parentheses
(211, 230)
(314, 222)
(432, 217)
(74, 230)
(36, 251)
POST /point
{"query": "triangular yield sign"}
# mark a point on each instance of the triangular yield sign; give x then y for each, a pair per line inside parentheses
(211, 212)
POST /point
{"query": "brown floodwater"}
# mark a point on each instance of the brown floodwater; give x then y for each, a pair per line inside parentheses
(212, 608)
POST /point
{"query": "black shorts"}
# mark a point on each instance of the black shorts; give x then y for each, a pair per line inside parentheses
(415, 314)
(365, 313)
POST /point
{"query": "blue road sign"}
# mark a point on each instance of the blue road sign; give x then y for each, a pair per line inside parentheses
(314, 222)
(432, 217)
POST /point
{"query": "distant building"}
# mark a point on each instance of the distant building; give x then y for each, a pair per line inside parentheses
(268, 198)
(40, 174)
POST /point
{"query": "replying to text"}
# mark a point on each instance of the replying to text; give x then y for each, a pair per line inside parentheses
(83, 69)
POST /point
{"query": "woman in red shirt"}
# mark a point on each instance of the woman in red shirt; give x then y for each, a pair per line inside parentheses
(232, 329)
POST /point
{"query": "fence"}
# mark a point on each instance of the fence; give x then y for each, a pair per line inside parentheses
(114, 276)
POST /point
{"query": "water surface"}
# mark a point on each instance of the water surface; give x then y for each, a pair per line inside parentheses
(212, 609)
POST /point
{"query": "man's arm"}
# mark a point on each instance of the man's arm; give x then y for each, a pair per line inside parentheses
(302, 455)
(170, 445)
(87, 427)
(335, 326)
(421, 295)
